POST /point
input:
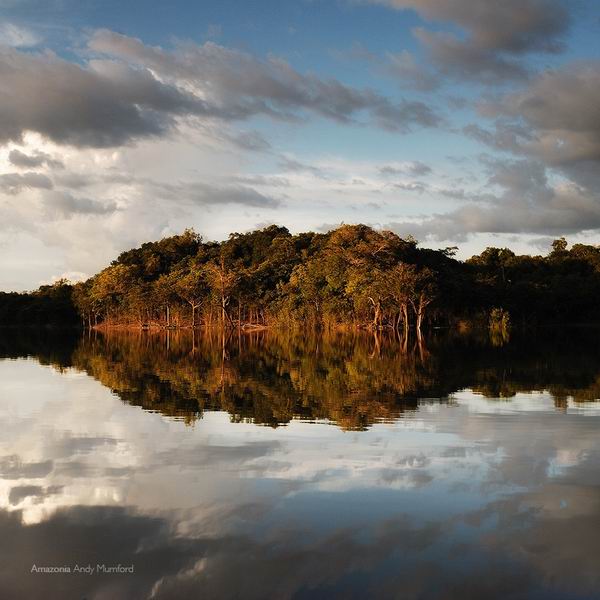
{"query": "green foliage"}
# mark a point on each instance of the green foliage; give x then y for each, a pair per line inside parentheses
(351, 276)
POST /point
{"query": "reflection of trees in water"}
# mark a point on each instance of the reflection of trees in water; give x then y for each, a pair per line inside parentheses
(353, 379)
(564, 363)
(264, 377)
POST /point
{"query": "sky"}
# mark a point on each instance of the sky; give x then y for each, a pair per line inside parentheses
(468, 123)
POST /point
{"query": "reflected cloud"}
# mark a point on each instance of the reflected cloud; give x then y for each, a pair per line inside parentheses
(451, 471)
(11, 467)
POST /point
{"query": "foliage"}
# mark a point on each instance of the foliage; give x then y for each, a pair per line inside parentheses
(50, 305)
(351, 276)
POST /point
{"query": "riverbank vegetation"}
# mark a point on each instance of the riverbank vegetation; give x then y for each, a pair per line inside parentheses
(353, 276)
(48, 306)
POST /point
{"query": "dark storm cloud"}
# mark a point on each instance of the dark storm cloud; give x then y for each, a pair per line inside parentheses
(496, 34)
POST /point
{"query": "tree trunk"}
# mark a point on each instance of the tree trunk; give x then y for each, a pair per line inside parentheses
(377, 316)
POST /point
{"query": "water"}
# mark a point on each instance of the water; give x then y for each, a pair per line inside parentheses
(272, 466)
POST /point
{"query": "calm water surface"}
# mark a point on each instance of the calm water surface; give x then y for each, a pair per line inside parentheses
(271, 466)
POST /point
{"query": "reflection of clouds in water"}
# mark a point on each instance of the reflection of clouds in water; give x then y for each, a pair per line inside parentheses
(489, 500)
(11, 467)
(20, 492)
(446, 558)
(87, 434)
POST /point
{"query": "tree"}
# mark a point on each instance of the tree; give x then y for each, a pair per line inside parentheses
(189, 282)
(559, 248)
(424, 293)
(222, 282)
(400, 281)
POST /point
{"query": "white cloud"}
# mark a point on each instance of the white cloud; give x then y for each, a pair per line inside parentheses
(17, 36)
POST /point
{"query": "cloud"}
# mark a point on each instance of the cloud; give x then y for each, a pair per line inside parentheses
(404, 67)
(230, 194)
(132, 91)
(496, 34)
(17, 36)
(250, 140)
(72, 276)
(60, 204)
(102, 104)
(261, 180)
(295, 166)
(561, 113)
(237, 85)
(35, 160)
(209, 194)
(14, 183)
(12, 467)
(38, 493)
(411, 186)
(416, 168)
(555, 120)
(456, 58)
(528, 204)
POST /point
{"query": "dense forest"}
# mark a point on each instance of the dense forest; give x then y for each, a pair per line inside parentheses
(353, 276)
(49, 306)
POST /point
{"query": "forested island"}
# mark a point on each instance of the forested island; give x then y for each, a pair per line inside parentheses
(353, 276)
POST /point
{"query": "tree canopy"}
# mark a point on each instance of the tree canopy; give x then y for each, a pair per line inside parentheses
(351, 276)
